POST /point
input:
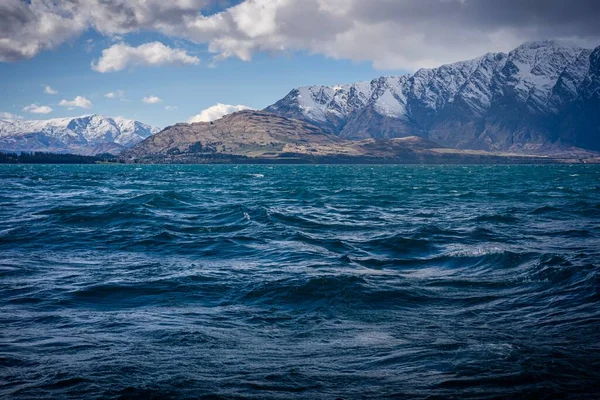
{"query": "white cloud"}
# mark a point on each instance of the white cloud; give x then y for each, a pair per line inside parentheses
(29, 27)
(391, 34)
(403, 34)
(117, 94)
(399, 34)
(78, 101)
(37, 109)
(7, 115)
(170, 108)
(215, 112)
(151, 100)
(50, 90)
(121, 56)
(26, 28)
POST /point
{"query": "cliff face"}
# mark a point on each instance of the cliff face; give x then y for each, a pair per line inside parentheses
(540, 97)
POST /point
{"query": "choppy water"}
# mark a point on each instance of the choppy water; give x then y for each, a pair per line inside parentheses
(299, 281)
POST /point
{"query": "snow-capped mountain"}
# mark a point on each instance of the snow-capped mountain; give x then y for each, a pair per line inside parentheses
(88, 134)
(540, 96)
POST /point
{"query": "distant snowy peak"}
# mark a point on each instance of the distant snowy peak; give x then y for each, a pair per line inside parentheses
(539, 78)
(88, 134)
(318, 101)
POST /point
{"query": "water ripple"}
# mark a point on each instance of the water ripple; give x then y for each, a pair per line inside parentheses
(299, 281)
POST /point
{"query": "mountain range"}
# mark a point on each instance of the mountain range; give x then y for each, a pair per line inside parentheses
(541, 97)
(88, 134)
(263, 137)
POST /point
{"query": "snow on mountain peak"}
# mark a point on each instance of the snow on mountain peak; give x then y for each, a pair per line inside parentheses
(537, 78)
(536, 67)
(87, 134)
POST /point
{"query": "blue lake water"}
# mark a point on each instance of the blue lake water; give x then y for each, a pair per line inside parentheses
(299, 281)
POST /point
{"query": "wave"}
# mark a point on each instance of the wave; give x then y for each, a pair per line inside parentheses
(497, 218)
(308, 282)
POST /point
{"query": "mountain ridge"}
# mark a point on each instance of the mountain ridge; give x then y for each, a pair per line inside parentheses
(88, 134)
(261, 137)
(527, 100)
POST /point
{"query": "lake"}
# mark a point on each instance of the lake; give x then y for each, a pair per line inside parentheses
(223, 281)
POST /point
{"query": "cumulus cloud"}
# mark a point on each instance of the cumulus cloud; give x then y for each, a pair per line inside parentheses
(151, 100)
(7, 115)
(50, 90)
(389, 33)
(78, 101)
(117, 94)
(215, 112)
(121, 56)
(28, 27)
(37, 109)
(400, 34)
(171, 108)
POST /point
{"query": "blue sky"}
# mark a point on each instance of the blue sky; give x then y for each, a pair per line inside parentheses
(184, 89)
(193, 54)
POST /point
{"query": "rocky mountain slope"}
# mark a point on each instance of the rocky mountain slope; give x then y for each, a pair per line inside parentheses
(245, 133)
(540, 97)
(258, 136)
(89, 134)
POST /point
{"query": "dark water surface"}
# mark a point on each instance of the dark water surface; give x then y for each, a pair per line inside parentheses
(299, 281)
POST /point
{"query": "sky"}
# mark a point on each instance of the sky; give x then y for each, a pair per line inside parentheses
(163, 62)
